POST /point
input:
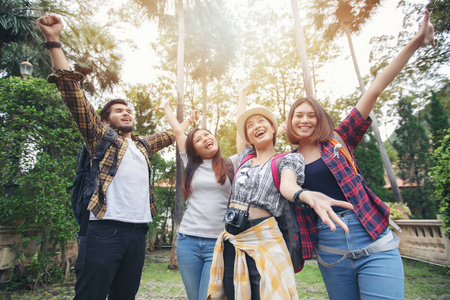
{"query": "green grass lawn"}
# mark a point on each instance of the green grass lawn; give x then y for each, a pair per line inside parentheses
(422, 281)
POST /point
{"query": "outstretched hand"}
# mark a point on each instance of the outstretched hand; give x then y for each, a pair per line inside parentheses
(426, 32)
(51, 26)
(322, 204)
(195, 116)
(165, 104)
(245, 87)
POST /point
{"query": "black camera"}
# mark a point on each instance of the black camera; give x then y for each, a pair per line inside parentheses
(236, 217)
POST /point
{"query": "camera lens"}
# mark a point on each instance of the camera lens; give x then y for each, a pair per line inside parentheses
(230, 215)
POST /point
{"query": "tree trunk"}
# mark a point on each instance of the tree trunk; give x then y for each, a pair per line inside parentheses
(179, 205)
(301, 46)
(204, 99)
(65, 264)
(374, 126)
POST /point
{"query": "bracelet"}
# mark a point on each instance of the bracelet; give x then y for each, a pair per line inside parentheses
(52, 44)
(297, 199)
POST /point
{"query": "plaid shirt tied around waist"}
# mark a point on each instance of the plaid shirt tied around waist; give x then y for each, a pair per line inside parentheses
(265, 244)
(370, 209)
(92, 130)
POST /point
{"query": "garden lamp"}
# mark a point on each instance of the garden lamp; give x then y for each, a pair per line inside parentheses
(26, 69)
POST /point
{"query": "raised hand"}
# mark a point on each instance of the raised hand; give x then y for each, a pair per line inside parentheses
(195, 116)
(165, 104)
(426, 32)
(51, 26)
(246, 85)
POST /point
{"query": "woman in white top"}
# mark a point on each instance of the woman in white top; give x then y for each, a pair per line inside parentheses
(206, 187)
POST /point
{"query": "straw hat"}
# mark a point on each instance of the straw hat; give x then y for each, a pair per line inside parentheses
(255, 111)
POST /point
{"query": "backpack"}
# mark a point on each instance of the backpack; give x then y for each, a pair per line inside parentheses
(85, 181)
(288, 221)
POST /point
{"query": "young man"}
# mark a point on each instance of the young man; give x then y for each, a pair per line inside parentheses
(123, 204)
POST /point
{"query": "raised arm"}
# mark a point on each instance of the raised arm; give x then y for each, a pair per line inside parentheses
(241, 144)
(52, 27)
(424, 37)
(176, 126)
(321, 203)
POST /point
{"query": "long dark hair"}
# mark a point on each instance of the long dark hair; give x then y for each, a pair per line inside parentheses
(194, 161)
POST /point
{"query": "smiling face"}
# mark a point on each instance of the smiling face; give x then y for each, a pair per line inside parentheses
(259, 130)
(205, 144)
(121, 117)
(304, 120)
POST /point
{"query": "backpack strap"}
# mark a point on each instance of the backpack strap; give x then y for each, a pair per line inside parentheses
(249, 156)
(275, 166)
(107, 139)
(289, 213)
(230, 168)
(147, 147)
(336, 141)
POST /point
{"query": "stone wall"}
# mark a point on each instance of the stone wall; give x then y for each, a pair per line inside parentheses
(424, 240)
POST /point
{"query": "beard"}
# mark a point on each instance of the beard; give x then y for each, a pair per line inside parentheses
(124, 129)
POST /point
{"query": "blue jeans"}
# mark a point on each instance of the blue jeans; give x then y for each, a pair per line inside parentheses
(194, 255)
(377, 276)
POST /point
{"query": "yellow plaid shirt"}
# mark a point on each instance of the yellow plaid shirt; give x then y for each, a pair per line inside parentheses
(92, 130)
(265, 244)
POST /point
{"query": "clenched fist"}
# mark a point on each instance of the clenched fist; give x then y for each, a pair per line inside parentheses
(51, 26)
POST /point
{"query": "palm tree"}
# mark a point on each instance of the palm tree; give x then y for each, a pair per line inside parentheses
(335, 17)
(158, 9)
(20, 39)
(210, 45)
(301, 47)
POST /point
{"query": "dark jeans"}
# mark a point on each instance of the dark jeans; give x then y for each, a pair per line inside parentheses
(114, 261)
(229, 254)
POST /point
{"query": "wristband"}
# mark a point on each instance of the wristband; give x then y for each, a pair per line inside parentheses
(297, 199)
(52, 44)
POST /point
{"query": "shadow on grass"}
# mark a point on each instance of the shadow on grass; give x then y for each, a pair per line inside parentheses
(422, 281)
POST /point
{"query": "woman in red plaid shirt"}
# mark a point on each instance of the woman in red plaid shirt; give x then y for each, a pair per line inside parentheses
(365, 262)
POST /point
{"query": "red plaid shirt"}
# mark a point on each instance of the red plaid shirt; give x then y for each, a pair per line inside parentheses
(371, 211)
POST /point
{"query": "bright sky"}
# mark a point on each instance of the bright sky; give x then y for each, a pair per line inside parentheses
(339, 75)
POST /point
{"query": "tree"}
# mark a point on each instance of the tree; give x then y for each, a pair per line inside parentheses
(413, 153)
(94, 53)
(210, 44)
(301, 47)
(441, 179)
(438, 120)
(348, 16)
(19, 38)
(158, 10)
(38, 160)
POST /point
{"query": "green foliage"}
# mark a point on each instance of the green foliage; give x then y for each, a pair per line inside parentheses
(441, 179)
(332, 16)
(368, 159)
(37, 161)
(414, 160)
(399, 210)
(20, 38)
(437, 119)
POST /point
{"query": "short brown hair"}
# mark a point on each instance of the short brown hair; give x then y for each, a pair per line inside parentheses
(106, 110)
(325, 124)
